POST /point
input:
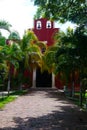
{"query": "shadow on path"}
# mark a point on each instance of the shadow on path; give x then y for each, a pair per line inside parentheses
(69, 118)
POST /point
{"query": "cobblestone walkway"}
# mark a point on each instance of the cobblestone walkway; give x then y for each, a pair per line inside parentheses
(42, 110)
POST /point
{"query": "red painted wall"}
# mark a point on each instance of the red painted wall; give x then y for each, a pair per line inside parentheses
(44, 33)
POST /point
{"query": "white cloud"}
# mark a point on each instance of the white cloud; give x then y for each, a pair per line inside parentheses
(19, 13)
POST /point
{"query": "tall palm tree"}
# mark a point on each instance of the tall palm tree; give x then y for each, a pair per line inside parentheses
(12, 56)
(66, 56)
(5, 26)
(71, 54)
(31, 53)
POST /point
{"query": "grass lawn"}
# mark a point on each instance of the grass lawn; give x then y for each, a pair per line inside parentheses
(5, 100)
(11, 97)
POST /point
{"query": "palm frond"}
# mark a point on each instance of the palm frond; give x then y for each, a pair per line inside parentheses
(5, 25)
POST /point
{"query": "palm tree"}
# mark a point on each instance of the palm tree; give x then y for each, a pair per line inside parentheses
(66, 55)
(31, 53)
(30, 48)
(71, 54)
(49, 59)
(5, 25)
(14, 35)
(13, 55)
(10, 53)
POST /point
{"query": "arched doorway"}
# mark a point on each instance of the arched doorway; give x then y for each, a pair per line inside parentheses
(43, 79)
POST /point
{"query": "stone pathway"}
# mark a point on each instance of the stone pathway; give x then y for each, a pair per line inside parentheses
(45, 109)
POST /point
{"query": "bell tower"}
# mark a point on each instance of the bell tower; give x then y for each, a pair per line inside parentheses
(44, 30)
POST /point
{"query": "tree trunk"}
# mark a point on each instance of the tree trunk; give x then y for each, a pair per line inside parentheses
(8, 87)
(80, 97)
(73, 91)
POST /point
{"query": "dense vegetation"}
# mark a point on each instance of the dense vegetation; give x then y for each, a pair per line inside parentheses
(68, 56)
(71, 54)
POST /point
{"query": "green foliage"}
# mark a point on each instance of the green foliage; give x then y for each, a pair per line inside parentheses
(66, 52)
(28, 38)
(14, 36)
(63, 10)
(72, 45)
(2, 40)
(71, 53)
(5, 25)
(50, 59)
(19, 93)
(31, 51)
(12, 54)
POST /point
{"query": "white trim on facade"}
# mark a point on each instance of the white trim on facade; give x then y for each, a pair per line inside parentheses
(34, 79)
(53, 80)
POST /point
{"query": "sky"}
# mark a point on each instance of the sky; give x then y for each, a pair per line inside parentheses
(20, 13)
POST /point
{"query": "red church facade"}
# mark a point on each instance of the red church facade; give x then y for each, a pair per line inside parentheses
(44, 29)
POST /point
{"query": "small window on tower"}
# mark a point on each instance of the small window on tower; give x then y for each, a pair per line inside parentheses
(38, 26)
(48, 24)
